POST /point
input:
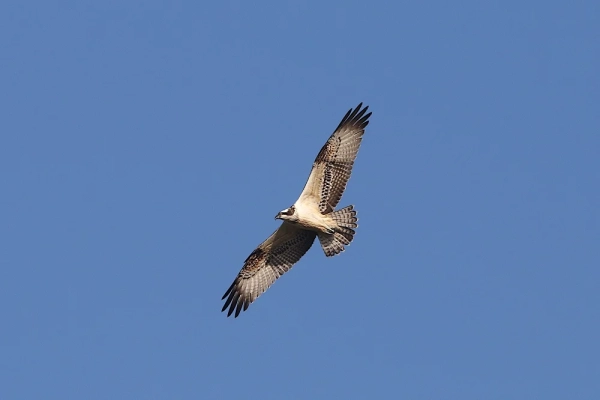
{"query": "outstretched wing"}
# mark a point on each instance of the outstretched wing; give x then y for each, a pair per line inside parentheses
(273, 258)
(333, 166)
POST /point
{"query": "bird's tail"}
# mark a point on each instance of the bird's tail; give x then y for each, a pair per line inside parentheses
(345, 220)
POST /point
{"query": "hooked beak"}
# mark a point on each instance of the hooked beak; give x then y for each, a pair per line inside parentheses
(278, 216)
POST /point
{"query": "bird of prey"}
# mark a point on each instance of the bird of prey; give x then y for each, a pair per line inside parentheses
(312, 215)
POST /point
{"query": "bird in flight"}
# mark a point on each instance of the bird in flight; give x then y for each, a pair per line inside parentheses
(312, 215)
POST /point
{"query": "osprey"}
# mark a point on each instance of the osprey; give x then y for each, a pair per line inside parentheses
(312, 215)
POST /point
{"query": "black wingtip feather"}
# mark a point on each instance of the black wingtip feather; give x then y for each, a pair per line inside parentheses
(231, 301)
(356, 117)
(234, 302)
(227, 303)
(240, 304)
(228, 291)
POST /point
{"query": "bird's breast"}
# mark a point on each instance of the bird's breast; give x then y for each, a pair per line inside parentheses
(313, 220)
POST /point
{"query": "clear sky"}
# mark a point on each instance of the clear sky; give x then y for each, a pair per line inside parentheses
(146, 146)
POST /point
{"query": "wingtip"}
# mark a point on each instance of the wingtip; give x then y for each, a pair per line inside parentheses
(360, 106)
(356, 116)
(235, 301)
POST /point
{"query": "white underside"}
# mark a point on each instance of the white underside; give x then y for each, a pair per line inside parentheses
(309, 216)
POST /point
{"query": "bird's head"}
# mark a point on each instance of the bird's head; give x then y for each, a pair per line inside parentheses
(289, 214)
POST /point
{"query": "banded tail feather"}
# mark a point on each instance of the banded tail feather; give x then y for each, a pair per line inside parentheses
(346, 221)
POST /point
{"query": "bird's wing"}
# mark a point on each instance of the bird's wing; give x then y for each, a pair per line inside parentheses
(333, 165)
(273, 258)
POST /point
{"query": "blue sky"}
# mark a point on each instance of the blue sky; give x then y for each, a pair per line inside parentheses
(147, 146)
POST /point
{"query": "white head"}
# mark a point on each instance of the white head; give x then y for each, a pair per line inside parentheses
(289, 214)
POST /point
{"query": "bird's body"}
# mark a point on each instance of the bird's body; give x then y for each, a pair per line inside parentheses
(309, 217)
(312, 215)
